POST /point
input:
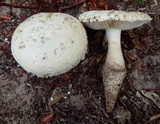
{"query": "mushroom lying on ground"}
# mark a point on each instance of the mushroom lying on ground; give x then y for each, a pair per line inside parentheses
(49, 44)
(113, 22)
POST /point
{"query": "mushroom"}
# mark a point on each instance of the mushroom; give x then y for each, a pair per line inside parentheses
(113, 22)
(49, 44)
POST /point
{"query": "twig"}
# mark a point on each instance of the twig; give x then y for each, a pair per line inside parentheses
(152, 118)
(17, 6)
(72, 5)
(11, 8)
(135, 103)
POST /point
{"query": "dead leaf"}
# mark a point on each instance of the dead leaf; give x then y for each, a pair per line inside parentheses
(132, 34)
(152, 96)
(68, 76)
(137, 44)
(56, 96)
(135, 39)
(83, 8)
(6, 17)
(132, 54)
(138, 64)
(48, 118)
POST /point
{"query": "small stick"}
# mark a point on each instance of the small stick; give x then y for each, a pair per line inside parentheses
(72, 5)
(17, 6)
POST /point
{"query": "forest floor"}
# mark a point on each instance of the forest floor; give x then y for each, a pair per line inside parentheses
(78, 94)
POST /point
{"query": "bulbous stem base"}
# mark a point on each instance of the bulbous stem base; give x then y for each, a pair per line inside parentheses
(112, 81)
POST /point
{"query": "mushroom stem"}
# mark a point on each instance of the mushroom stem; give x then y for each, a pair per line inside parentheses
(113, 70)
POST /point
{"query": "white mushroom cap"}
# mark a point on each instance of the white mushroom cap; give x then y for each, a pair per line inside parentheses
(104, 19)
(49, 44)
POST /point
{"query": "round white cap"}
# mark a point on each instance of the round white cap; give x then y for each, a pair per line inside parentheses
(103, 19)
(49, 44)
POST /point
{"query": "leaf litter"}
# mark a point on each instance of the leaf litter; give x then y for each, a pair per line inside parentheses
(77, 96)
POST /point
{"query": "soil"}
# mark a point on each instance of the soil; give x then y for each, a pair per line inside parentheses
(76, 97)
